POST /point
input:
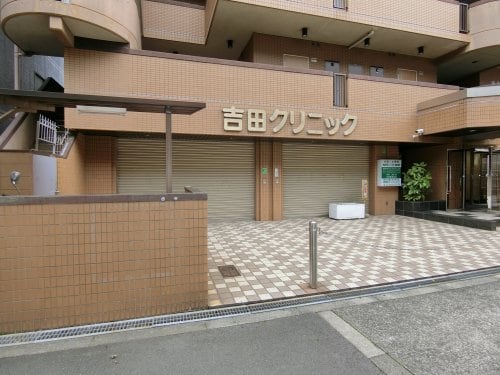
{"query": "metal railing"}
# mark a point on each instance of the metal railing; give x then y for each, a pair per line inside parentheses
(62, 139)
(47, 133)
(464, 18)
(339, 90)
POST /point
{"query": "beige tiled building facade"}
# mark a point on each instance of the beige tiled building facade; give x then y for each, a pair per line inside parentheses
(303, 99)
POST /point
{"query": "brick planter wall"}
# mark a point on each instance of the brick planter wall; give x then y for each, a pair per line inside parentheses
(417, 209)
(86, 259)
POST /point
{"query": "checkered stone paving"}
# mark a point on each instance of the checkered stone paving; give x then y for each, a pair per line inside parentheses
(273, 257)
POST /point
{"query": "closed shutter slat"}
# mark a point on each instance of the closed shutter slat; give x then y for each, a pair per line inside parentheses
(315, 175)
(224, 170)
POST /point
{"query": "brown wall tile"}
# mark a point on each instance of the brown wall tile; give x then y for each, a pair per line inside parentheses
(269, 49)
(388, 117)
(71, 264)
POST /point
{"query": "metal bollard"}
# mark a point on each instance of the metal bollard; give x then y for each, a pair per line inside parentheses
(313, 254)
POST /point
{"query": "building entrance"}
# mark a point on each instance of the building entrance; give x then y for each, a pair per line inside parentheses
(473, 180)
(495, 179)
(455, 179)
(476, 178)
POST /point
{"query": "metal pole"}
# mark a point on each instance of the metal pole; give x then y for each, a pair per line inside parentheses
(168, 148)
(313, 254)
(489, 179)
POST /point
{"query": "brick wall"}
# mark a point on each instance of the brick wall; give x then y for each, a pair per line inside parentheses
(384, 118)
(463, 113)
(483, 112)
(90, 167)
(268, 49)
(76, 260)
(438, 18)
(71, 171)
(100, 165)
(173, 22)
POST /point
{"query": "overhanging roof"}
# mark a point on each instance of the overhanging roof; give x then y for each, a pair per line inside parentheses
(32, 101)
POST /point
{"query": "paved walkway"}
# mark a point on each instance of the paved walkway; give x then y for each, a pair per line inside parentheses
(273, 259)
(448, 328)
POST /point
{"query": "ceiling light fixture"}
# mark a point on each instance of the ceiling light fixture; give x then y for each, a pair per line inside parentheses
(101, 110)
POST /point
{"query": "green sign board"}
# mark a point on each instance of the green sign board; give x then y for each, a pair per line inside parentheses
(389, 172)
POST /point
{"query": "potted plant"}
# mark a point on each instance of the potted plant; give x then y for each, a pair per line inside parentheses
(416, 184)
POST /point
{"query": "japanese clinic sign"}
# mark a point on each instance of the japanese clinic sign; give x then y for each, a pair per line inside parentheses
(389, 172)
(301, 122)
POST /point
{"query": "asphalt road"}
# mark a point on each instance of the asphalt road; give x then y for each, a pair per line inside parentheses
(451, 328)
(451, 332)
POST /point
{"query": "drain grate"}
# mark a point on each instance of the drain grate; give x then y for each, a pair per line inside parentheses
(229, 271)
(231, 311)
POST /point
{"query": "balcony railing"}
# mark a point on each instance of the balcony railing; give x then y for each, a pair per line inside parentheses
(464, 18)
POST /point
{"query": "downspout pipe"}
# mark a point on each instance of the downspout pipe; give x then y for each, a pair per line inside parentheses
(17, 77)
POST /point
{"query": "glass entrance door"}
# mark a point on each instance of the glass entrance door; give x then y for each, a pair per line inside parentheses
(495, 180)
(476, 178)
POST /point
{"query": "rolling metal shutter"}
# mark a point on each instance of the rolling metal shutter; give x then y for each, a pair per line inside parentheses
(224, 170)
(315, 175)
(140, 166)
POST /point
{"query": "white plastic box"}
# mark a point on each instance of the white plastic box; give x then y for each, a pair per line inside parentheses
(342, 211)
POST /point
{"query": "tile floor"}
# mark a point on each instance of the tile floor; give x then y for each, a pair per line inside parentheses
(273, 257)
(489, 215)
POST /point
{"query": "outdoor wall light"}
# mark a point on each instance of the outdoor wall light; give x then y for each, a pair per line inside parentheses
(367, 42)
(229, 43)
(14, 179)
(420, 50)
(305, 32)
(101, 110)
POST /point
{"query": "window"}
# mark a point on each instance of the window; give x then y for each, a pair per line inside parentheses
(356, 69)
(339, 90)
(340, 4)
(293, 61)
(464, 18)
(332, 66)
(407, 75)
(377, 71)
